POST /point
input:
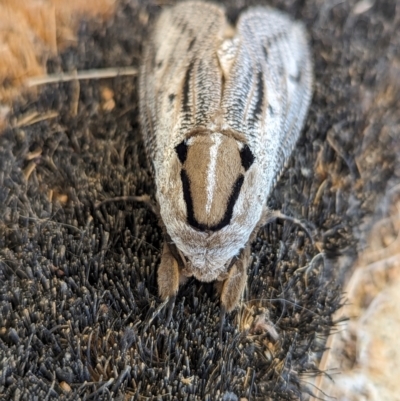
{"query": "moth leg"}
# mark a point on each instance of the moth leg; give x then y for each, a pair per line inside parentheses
(233, 286)
(270, 216)
(168, 279)
(231, 289)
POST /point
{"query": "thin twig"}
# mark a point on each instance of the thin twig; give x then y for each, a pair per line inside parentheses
(151, 205)
(79, 75)
(33, 118)
(155, 313)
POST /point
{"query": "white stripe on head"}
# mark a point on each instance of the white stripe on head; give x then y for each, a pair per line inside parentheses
(211, 173)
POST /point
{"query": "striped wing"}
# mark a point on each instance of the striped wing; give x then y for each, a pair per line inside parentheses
(269, 88)
(180, 80)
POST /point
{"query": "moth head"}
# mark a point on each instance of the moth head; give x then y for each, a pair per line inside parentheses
(209, 202)
(213, 172)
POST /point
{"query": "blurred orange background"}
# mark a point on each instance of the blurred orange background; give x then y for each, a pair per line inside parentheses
(31, 31)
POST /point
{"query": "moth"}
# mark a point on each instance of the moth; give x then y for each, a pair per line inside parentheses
(221, 108)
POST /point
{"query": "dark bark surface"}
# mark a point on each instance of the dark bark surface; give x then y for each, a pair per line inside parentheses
(78, 289)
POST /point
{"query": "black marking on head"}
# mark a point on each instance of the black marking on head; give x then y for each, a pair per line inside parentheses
(237, 186)
(260, 94)
(181, 151)
(186, 89)
(187, 196)
(159, 64)
(191, 44)
(171, 97)
(247, 157)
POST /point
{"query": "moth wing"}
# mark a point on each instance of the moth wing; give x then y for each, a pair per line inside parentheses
(269, 88)
(180, 79)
